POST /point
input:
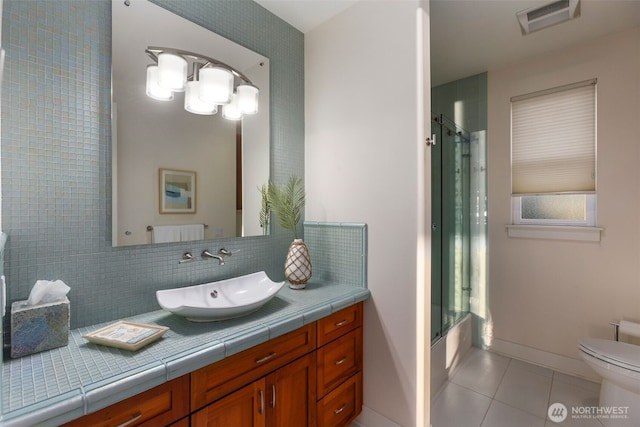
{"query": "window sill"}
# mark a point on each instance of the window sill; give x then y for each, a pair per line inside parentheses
(555, 232)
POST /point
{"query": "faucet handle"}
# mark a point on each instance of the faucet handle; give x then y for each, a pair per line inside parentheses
(187, 257)
(226, 252)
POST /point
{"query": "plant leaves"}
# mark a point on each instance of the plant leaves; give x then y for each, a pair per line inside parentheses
(288, 202)
(265, 208)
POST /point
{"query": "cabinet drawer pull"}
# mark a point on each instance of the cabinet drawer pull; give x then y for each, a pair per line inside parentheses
(135, 418)
(267, 357)
(340, 409)
(341, 361)
(273, 395)
(261, 395)
(342, 323)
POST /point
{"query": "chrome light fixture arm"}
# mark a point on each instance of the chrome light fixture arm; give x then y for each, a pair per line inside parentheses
(154, 51)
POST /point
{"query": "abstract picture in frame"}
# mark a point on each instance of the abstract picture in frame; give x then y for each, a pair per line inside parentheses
(177, 191)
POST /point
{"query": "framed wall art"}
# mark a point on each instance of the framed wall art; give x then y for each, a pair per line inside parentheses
(177, 191)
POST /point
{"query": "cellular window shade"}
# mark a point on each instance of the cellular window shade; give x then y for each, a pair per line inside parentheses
(553, 140)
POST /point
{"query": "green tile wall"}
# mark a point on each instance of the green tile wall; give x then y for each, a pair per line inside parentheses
(472, 93)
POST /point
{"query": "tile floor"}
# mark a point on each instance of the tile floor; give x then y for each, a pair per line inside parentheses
(490, 390)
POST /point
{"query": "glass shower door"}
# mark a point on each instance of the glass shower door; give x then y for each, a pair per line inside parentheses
(450, 231)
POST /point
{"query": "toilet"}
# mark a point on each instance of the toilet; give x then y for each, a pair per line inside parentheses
(618, 364)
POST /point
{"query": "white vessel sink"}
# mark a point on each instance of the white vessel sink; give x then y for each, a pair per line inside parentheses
(221, 300)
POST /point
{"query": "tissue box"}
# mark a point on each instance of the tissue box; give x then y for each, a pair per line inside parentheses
(39, 327)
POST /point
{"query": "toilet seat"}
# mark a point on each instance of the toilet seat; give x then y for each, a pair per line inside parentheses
(618, 364)
(620, 354)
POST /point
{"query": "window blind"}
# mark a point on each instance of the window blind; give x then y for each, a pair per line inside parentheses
(553, 140)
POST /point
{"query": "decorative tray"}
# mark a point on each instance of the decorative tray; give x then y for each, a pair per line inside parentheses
(126, 335)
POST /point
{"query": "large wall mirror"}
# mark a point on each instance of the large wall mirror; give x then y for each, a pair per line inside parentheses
(158, 145)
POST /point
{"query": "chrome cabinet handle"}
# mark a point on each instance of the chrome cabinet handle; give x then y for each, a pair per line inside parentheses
(261, 396)
(340, 409)
(135, 418)
(267, 357)
(341, 361)
(342, 323)
(273, 395)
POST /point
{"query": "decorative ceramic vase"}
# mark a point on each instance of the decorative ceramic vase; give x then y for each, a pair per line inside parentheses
(297, 267)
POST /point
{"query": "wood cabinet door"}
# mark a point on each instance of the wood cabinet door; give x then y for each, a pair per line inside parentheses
(292, 394)
(243, 408)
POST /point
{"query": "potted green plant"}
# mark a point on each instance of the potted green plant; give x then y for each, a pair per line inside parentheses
(288, 202)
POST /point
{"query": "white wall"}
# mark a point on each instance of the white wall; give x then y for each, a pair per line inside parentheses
(365, 162)
(547, 294)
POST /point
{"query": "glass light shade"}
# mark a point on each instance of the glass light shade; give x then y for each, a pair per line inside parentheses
(232, 111)
(247, 98)
(172, 72)
(193, 103)
(216, 85)
(153, 89)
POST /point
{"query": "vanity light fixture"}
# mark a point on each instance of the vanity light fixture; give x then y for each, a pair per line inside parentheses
(153, 88)
(247, 96)
(232, 111)
(211, 83)
(216, 85)
(172, 72)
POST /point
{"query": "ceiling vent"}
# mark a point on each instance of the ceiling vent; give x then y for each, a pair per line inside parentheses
(537, 18)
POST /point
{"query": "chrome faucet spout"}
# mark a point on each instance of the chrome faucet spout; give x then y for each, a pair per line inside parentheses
(207, 254)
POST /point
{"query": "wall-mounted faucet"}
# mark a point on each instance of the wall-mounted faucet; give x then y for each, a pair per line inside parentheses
(187, 257)
(207, 254)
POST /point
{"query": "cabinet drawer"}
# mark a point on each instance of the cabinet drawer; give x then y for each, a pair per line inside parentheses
(339, 323)
(221, 378)
(159, 406)
(342, 405)
(339, 360)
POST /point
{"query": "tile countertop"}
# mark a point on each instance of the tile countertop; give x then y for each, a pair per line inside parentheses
(62, 384)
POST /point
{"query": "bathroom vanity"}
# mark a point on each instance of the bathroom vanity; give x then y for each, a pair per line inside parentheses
(312, 373)
(296, 362)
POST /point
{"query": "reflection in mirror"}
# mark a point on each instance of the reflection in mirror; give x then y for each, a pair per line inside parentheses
(206, 168)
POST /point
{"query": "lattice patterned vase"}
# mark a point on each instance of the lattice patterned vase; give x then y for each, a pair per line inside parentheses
(297, 267)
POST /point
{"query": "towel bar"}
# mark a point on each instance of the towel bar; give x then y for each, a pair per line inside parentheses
(150, 227)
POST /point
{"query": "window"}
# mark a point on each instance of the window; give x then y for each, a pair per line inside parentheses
(555, 209)
(553, 156)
